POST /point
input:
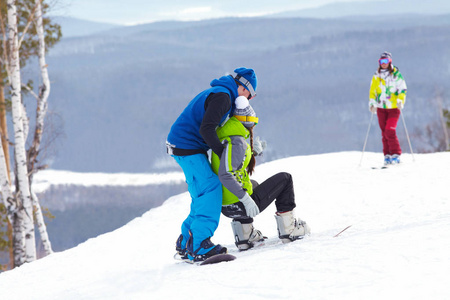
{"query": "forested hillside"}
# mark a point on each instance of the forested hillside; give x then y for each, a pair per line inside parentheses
(116, 94)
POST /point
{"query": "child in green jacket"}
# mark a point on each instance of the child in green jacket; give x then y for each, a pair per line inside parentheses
(243, 198)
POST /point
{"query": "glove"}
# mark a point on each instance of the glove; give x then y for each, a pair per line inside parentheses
(400, 104)
(258, 146)
(250, 206)
(373, 109)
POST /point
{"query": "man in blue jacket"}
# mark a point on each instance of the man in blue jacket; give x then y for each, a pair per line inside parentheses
(191, 136)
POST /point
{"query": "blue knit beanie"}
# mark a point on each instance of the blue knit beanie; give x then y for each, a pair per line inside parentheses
(247, 78)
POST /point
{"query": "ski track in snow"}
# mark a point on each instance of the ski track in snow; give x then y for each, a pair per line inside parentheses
(396, 248)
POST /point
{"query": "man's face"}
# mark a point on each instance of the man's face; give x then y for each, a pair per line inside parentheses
(242, 91)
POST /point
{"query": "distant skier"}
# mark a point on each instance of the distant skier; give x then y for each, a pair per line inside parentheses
(191, 136)
(387, 98)
(241, 200)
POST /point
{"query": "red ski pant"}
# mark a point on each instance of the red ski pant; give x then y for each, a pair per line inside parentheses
(388, 119)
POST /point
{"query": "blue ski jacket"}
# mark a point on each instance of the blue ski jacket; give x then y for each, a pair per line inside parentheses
(185, 132)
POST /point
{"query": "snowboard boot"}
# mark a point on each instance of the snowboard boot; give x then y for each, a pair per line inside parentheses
(387, 159)
(246, 235)
(206, 250)
(395, 159)
(290, 228)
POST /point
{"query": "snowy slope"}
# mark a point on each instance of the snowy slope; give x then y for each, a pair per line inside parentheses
(397, 247)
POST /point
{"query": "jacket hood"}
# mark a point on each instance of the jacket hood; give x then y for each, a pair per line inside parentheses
(226, 82)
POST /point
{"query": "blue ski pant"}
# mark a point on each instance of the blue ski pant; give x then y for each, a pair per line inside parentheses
(206, 193)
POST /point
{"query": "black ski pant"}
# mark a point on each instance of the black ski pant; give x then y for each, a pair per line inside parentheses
(279, 187)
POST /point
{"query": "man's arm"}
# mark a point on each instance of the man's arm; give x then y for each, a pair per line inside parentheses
(216, 106)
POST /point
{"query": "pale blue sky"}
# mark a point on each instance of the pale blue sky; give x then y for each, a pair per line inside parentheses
(131, 12)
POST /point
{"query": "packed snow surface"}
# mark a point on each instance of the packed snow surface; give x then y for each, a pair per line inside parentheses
(396, 248)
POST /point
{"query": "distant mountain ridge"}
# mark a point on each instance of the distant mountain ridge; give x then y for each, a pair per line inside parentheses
(372, 8)
(72, 27)
(78, 27)
(119, 91)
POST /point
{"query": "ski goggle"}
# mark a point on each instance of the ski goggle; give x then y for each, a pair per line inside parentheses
(246, 84)
(384, 60)
(247, 119)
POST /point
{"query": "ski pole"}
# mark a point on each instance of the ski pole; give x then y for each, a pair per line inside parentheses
(407, 135)
(365, 142)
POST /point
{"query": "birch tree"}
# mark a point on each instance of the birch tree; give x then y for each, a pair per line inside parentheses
(25, 214)
(44, 90)
(12, 209)
(5, 170)
(443, 113)
(31, 36)
(41, 111)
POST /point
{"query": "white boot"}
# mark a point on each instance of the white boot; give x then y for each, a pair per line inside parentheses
(290, 228)
(245, 235)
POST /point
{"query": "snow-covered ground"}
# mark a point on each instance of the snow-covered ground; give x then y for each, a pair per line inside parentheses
(397, 247)
(44, 179)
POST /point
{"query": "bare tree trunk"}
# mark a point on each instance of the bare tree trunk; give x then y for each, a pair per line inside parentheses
(443, 121)
(12, 209)
(7, 195)
(5, 144)
(44, 90)
(41, 111)
(26, 213)
(41, 225)
(19, 239)
(9, 232)
(4, 130)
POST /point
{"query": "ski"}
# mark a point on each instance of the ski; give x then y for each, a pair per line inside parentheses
(380, 168)
(387, 166)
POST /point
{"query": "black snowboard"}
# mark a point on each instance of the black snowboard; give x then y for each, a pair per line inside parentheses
(218, 258)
